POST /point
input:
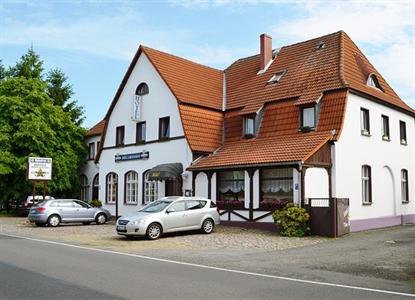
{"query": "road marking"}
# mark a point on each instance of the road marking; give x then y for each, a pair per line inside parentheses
(215, 268)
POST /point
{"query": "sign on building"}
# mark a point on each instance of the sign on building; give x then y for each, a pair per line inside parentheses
(136, 109)
(40, 168)
(132, 156)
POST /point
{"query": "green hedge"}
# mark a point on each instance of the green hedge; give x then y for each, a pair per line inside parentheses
(95, 203)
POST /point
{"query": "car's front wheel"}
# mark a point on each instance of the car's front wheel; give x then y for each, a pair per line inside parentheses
(54, 220)
(207, 226)
(154, 231)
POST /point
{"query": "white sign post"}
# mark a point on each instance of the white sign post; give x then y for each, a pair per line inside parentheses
(39, 168)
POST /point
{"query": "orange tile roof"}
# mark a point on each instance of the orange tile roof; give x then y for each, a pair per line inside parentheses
(265, 151)
(308, 73)
(356, 70)
(202, 127)
(190, 82)
(97, 129)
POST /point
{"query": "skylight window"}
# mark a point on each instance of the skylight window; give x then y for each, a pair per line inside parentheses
(276, 77)
(373, 82)
(320, 46)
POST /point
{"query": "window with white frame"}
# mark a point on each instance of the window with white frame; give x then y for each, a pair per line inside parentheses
(150, 189)
(366, 184)
(404, 185)
(385, 128)
(364, 121)
(402, 132)
(131, 187)
(112, 188)
(249, 126)
(84, 188)
(374, 82)
(308, 117)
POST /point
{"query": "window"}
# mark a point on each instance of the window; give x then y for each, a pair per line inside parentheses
(249, 126)
(140, 133)
(404, 186)
(150, 189)
(276, 77)
(142, 89)
(91, 150)
(385, 128)
(308, 117)
(364, 121)
(195, 204)
(231, 185)
(373, 82)
(164, 128)
(276, 188)
(402, 130)
(95, 187)
(84, 188)
(80, 204)
(320, 46)
(177, 207)
(119, 139)
(131, 188)
(366, 184)
(112, 188)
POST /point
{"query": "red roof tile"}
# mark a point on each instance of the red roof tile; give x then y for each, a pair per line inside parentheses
(202, 127)
(97, 129)
(190, 82)
(265, 151)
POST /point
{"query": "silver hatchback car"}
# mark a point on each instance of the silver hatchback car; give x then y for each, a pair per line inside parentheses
(54, 212)
(170, 214)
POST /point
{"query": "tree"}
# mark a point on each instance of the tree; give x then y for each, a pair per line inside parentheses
(2, 71)
(29, 66)
(60, 92)
(32, 124)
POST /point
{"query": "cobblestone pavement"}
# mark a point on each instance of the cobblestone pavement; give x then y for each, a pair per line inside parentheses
(104, 236)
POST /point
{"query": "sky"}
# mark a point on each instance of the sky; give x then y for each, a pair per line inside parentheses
(94, 41)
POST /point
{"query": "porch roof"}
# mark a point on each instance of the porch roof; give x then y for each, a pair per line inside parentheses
(294, 148)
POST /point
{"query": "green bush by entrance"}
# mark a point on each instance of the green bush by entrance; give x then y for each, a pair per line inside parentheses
(95, 203)
(292, 220)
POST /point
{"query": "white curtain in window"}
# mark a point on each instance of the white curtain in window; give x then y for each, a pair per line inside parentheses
(308, 117)
(231, 181)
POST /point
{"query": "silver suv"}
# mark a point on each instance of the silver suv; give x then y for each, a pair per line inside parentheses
(170, 214)
(54, 212)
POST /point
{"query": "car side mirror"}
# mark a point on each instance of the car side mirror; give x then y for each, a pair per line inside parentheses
(170, 210)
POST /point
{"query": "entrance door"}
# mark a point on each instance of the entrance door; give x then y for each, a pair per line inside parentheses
(95, 187)
(173, 187)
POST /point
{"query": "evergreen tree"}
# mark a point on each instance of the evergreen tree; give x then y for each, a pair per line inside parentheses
(29, 66)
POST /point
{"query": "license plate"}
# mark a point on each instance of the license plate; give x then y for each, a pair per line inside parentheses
(121, 227)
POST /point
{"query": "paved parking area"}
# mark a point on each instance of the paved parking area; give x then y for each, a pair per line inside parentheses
(382, 258)
(105, 237)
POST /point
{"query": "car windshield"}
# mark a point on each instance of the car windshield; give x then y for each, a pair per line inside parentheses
(156, 206)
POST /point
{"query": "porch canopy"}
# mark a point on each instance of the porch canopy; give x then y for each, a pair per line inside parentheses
(169, 171)
(295, 148)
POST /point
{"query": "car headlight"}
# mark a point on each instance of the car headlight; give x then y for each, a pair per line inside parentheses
(138, 222)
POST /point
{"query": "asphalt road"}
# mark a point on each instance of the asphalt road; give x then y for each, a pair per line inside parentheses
(36, 270)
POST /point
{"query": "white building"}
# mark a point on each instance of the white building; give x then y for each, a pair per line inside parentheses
(309, 120)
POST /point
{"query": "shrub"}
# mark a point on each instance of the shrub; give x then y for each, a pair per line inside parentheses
(95, 203)
(292, 220)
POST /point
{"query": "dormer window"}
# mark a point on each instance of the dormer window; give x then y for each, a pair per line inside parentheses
(249, 126)
(276, 77)
(308, 118)
(373, 82)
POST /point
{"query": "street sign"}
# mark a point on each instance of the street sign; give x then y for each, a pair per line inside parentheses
(40, 168)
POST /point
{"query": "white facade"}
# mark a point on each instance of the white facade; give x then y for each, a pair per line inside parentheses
(90, 169)
(159, 103)
(386, 159)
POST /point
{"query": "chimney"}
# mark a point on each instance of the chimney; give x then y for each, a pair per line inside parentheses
(266, 50)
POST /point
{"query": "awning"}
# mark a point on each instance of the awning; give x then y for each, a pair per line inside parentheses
(166, 171)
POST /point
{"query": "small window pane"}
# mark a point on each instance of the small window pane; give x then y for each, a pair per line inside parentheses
(364, 121)
(119, 136)
(249, 126)
(404, 186)
(385, 127)
(402, 129)
(141, 132)
(366, 184)
(308, 117)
